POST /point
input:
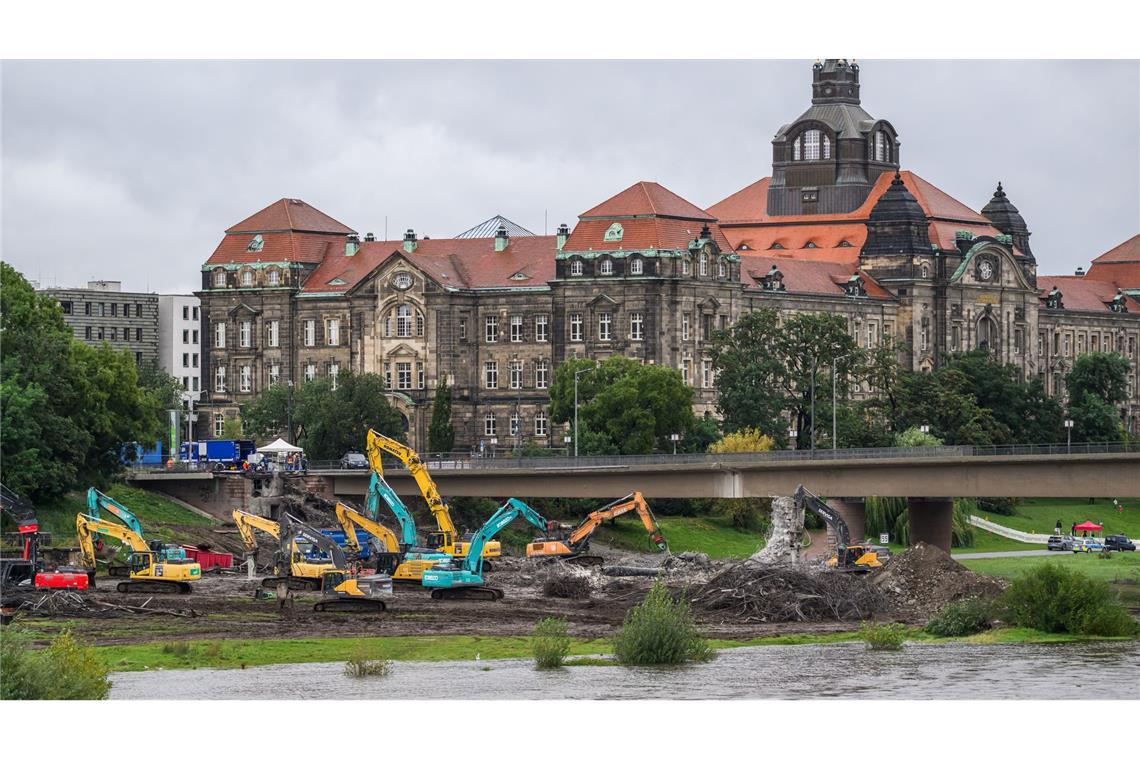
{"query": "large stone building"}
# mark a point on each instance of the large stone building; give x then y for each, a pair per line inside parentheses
(103, 313)
(291, 294)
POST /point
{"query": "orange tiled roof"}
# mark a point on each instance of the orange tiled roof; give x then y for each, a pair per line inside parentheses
(647, 199)
(1083, 294)
(290, 214)
(816, 277)
(1119, 266)
(302, 247)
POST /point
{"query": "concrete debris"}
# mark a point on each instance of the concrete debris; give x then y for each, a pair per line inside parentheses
(565, 581)
(786, 539)
(924, 579)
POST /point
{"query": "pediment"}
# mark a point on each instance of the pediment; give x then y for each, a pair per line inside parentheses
(243, 308)
(603, 300)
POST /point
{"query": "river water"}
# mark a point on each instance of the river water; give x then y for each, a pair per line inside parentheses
(1103, 670)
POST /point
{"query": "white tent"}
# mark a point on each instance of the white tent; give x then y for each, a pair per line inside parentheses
(280, 446)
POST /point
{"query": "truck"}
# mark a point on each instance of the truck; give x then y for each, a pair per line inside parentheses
(217, 454)
(140, 455)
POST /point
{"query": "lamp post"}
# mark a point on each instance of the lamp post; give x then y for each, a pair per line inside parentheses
(811, 430)
(289, 410)
(792, 436)
(834, 426)
(674, 438)
(566, 439)
(924, 428)
(1068, 436)
(576, 374)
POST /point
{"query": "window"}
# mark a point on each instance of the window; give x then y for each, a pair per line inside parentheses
(310, 332)
(685, 326)
(245, 379)
(491, 329)
(491, 375)
(514, 424)
(882, 148)
(403, 321)
(66, 306)
(310, 372)
(186, 337)
(955, 338)
(925, 341)
(797, 150)
(489, 425)
(185, 382)
(605, 326)
(138, 310)
(516, 329)
(872, 335)
(403, 376)
(193, 312)
(540, 325)
(636, 321)
(194, 384)
(721, 270)
(273, 277)
(826, 146)
(273, 333)
(516, 374)
(219, 425)
(115, 310)
(138, 333)
(420, 375)
(245, 333)
(220, 379)
(185, 313)
(332, 332)
(87, 308)
(247, 278)
(1067, 344)
(185, 360)
(540, 424)
(541, 370)
(704, 261)
(100, 333)
(576, 328)
(220, 335)
(811, 145)
(606, 267)
(462, 328)
(193, 337)
(387, 374)
(706, 373)
(686, 371)
(1018, 340)
(636, 266)
(419, 325)
(87, 332)
(334, 374)
(274, 374)
(194, 360)
(684, 266)
(576, 268)
(706, 326)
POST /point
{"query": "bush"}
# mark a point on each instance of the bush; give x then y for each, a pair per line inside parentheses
(962, 533)
(660, 631)
(998, 505)
(961, 618)
(179, 649)
(887, 637)
(550, 643)
(1054, 599)
(363, 665)
(913, 437)
(65, 670)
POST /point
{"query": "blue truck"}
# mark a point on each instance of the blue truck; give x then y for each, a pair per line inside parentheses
(217, 454)
(362, 538)
(138, 455)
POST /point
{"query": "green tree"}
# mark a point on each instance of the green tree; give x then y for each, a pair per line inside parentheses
(66, 669)
(745, 440)
(942, 400)
(441, 434)
(1097, 385)
(914, 437)
(748, 375)
(1023, 409)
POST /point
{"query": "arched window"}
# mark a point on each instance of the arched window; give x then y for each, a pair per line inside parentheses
(721, 270)
(219, 278)
(882, 146)
(811, 145)
(684, 266)
(273, 277)
(635, 266)
(925, 271)
(247, 278)
(987, 333)
(826, 146)
(606, 266)
(576, 268)
(704, 271)
(404, 321)
(419, 325)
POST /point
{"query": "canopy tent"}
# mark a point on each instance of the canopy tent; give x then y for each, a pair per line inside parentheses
(1087, 525)
(280, 446)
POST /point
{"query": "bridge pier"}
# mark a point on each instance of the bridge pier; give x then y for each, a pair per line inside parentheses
(931, 521)
(854, 513)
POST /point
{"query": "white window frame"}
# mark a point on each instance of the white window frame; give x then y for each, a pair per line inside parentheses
(541, 323)
(310, 327)
(273, 333)
(605, 326)
(491, 328)
(516, 328)
(636, 266)
(606, 267)
(245, 333)
(811, 145)
(491, 375)
(220, 379)
(576, 268)
(404, 320)
(684, 266)
(686, 371)
(219, 278)
(219, 425)
(247, 278)
(540, 424)
(219, 335)
(274, 374)
(273, 277)
(636, 326)
(516, 374)
(514, 425)
(334, 375)
(704, 266)
(490, 425)
(685, 326)
(403, 376)
(541, 373)
(706, 373)
(575, 328)
(332, 331)
(245, 379)
(310, 372)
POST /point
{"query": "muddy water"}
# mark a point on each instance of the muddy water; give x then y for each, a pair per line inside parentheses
(1109, 670)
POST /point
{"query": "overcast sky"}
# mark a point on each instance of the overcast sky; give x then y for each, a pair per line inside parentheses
(133, 170)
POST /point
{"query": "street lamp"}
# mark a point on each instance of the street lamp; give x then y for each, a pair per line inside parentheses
(289, 410)
(494, 442)
(576, 374)
(1068, 436)
(924, 428)
(792, 436)
(566, 439)
(674, 438)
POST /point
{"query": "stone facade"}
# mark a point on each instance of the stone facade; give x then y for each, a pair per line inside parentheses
(101, 312)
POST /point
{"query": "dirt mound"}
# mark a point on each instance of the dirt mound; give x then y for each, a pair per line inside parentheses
(754, 592)
(924, 579)
(564, 581)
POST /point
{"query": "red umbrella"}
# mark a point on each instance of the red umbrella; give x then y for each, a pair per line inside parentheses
(1088, 525)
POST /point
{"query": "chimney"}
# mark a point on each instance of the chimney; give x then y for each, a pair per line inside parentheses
(410, 240)
(351, 244)
(369, 237)
(563, 235)
(1080, 272)
(502, 239)
(706, 233)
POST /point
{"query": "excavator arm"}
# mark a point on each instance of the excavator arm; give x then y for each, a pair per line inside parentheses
(805, 499)
(97, 502)
(295, 529)
(86, 528)
(379, 490)
(634, 501)
(506, 514)
(349, 519)
(247, 523)
(380, 444)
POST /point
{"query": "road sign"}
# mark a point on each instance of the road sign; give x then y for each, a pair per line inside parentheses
(884, 538)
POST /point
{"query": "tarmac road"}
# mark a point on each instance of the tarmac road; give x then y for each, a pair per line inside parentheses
(997, 555)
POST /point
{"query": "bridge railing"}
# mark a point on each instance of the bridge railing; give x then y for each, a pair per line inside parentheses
(445, 462)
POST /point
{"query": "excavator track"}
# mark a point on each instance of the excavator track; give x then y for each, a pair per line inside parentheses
(148, 587)
(469, 593)
(293, 582)
(586, 560)
(350, 605)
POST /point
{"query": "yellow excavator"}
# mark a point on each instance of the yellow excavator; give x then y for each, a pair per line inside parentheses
(573, 547)
(404, 570)
(148, 573)
(849, 557)
(302, 572)
(445, 538)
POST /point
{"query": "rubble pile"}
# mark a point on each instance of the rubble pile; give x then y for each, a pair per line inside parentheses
(562, 580)
(924, 579)
(63, 603)
(756, 592)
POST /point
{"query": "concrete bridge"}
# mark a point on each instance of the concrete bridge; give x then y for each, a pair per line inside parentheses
(928, 477)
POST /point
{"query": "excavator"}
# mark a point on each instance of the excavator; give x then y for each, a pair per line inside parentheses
(574, 546)
(403, 566)
(147, 572)
(98, 502)
(848, 557)
(445, 538)
(29, 568)
(301, 571)
(341, 589)
(463, 578)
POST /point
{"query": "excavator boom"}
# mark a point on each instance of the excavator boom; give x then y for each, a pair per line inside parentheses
(349, 519)
(247, 523)
(379, 490)
(98, 501)
(147, 572)
(379, 444)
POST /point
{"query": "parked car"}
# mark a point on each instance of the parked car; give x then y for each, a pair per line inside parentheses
(1087, 545)
(354, 460)
(1119, 544)
(1059, 543)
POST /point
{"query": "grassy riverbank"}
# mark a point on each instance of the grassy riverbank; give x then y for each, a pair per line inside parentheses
(240, 654)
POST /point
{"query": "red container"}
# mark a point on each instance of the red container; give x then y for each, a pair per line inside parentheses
(209, 559)
(61, 579)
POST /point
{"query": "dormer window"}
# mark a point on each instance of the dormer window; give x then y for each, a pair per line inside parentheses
(256, 244)
(882, 146)
(606, 267)
(247, 278)
(219, 278)
(636, 266)
(684, 266)
(774, 280)
(1054, 300)
(811, 244)
(273, 277)
(854, 286)
(704, 262)
(811, 145)
(576, 268)
(1117, 303)
(721, 270)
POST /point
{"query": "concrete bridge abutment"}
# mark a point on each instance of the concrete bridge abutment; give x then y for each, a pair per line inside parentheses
(931, 521)
(854, 513)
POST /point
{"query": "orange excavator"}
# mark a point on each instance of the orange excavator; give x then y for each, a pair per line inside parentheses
(573, 547)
